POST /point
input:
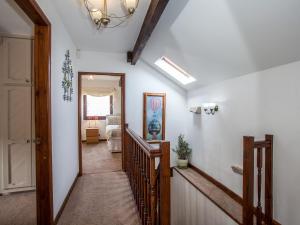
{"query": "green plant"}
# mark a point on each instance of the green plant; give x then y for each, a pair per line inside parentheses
(182, 150)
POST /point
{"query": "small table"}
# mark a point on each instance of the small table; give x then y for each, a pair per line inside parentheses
(92, 135)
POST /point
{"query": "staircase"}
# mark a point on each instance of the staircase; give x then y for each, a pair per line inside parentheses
(148, 171)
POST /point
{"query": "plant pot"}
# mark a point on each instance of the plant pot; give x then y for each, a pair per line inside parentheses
(182, 163)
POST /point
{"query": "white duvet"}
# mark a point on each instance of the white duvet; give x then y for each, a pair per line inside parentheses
(113, 131)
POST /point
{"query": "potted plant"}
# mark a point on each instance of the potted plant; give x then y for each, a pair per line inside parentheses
(183, 152)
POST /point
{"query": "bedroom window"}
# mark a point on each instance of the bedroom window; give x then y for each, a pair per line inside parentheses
(97, 108)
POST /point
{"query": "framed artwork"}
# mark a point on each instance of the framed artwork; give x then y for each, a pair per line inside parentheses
(154, 116)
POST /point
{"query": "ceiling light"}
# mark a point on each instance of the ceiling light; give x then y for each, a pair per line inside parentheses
(103, 19)
(175, 71)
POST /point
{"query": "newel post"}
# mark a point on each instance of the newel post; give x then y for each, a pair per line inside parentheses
(165, 173)
(248, 180)
(269, 180)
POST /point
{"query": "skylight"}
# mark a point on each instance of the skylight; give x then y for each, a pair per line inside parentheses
(175, 71)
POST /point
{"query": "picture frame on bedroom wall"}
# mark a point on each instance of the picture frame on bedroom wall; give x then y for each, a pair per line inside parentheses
(154, 116)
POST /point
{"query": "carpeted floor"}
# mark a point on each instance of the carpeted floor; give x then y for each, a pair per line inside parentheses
(102, 196)
(96, 158)
(18, 209)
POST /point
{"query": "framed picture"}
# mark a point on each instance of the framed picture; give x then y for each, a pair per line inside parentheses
(154, 116)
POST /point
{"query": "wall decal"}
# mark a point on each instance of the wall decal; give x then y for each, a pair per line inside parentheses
(67, 83)
(154, 116)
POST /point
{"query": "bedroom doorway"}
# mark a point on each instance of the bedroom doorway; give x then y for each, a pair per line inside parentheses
(101, 122)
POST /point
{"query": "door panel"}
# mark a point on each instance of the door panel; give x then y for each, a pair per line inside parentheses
(17, 60)
(19, 166)
(19, 113)
(18, 149)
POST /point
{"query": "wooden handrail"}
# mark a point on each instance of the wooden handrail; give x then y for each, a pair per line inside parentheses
(150, 183)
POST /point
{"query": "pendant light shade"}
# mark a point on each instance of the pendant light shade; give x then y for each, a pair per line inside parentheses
(131, 5)
(96, 16)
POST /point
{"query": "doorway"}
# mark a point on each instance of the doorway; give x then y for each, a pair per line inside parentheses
(101, 121)
(17, 136)
(36, 140)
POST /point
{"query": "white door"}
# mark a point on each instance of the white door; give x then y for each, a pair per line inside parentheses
(18, 150)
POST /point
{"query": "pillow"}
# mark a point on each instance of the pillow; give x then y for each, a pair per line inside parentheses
(113, 120)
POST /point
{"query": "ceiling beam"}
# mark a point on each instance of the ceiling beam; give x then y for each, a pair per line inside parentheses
(152, 17)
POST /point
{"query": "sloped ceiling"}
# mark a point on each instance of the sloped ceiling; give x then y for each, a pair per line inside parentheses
(13, 20)
(220, 39)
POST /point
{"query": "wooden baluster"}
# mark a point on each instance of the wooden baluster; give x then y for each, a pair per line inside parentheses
(129, 158)
(269, 180)
(125, 147)
(145, 191)
(137, 178)
(134, 174)
(158, 218)
(165, 184)
(153, 201)
(142, 186)
(139, 181)
(148, 192)
(259, 167)
(248, 180)
(131, 163)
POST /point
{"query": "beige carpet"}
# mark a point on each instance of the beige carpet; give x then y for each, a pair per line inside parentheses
(102, 196)
(96, 158)
(18, 209)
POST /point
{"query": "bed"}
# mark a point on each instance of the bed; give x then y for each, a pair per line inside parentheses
(114, 133)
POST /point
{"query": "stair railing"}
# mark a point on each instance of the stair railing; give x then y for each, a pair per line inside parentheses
(249, 214)
(148, 171)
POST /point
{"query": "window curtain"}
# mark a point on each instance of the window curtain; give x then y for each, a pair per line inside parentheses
(97, 91)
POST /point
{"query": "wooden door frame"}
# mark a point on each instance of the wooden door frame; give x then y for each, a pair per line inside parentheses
(122, 77)
(42, 88)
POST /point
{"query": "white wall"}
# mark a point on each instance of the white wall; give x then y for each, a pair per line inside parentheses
(254, 104)
(64, 114)
(141, 78)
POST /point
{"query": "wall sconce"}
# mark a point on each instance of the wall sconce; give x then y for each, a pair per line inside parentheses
(196, 110)
(210, 108)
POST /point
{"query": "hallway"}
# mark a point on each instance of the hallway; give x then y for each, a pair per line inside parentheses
(102, 196)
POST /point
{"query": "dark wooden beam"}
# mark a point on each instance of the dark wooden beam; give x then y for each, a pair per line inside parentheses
(34, 12)
(153, 15)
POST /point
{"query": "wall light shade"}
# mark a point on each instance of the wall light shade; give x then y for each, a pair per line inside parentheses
(196, 110)
(210, 108)
(174, 71)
